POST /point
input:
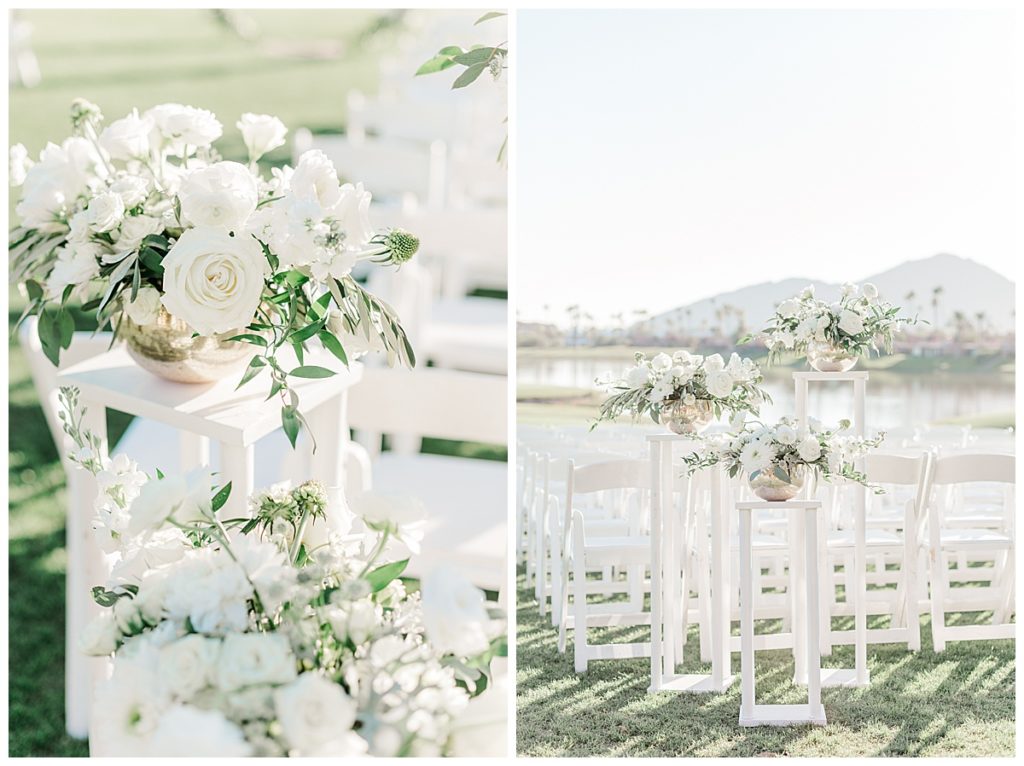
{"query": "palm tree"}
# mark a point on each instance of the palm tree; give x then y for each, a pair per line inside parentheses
(982, 319)
(936, 292)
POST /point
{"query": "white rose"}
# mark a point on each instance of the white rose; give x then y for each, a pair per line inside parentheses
(454, 613)
(315, 179)
(785, 435)
(638, 376)
(223, 194)
(131, 189)
(809, 448)
(19, 164)
(127, 138)
(136, 228)
(714, 363)
(105, 212)
(213, 281)
(661, 362)
(719, 384)
(100, 636)
(850, 322)
(184, 126)
(754, 457)
(77, 263)
(187, 731)
(261, 133)
(187, 665)
(869, 291)
(317, 717)
(247, 659)
(788, 308)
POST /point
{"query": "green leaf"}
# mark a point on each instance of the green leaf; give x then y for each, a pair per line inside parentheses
(105, 597)
(49, 336)
(290, 423)
(333, 345)
(381, 576)
(152, 260)
(780, 474)
(34, 290)
(256, 340)
(305, 333)
(221, 497)
(476, 56)
(438, 63)
(67, 328)
(469, 76)
(488, 16)
(255, 367)
(311, 371)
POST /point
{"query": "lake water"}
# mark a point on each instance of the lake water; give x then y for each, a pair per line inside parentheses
(893, 400)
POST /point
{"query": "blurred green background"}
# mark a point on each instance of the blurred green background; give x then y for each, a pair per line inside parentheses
(297, 65)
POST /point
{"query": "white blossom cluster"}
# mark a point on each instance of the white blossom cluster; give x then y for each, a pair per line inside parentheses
(650, 384)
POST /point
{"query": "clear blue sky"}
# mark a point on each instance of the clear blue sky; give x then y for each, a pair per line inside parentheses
(665, 156)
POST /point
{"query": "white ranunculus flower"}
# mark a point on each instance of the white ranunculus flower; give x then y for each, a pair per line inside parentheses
(809, 448)
(714, 363)
(100, 636)
(20, 163)
(127, 138)
(184, 126)
(134, 229)
(719, 384)
(132, 704)
(317, 717)
(850, 322)
(211, 591)
(187, 665)
(76, 264)
(789, 308)
(638, 376)
(105, 212)
(187, 731)
(213, 281)
(223, 194)
(661, 362)
(755, 456)
(454, 613)
(185, 498)
(247, 659)
(131, 189)
(261, 133)
(315, 179)
(145, 309)
(785, 434)
(869, 291)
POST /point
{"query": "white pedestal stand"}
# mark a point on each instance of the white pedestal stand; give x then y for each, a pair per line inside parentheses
(667, 622)
(857, 676)
(781, 715)
(237, 419)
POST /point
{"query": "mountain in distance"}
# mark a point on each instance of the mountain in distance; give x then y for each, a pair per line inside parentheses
(967, 286)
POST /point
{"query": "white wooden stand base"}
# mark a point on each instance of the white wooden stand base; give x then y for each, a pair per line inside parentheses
(781, 715)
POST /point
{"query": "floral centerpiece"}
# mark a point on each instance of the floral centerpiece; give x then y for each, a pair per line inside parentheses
(834, 335)
(280, 633)
(777, 459)
(684, 391)
(202, 265)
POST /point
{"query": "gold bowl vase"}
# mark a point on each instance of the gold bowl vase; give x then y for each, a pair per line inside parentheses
(170, 349)
(681, 418)
(767, 486)
(824, 357)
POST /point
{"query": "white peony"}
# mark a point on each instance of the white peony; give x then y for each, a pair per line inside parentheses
(661, 362)
(19, 165)
(187, 731)
(454, 613)
(719, 383)
(131, 189)
(755, 456)
(52, 185)
(184, 126)
(77, 263)
(788, 308)
(714, 363)
(186, 666)
(185, 498)
(247, 659)
(223, 194)
(809, 448)
(850, 322)
(210, 590)
(261, 133)
(785, 434)
(127, 138)
(100, 636)
(105, 212)
(638, 376)
(317, 717)
(315, 179)
(213, 281)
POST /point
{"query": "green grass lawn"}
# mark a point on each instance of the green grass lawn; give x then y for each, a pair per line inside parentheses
(957, 703)
(299, 67)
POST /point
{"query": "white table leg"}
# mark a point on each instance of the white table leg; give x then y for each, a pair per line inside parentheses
(746, 619)
(194, 451)
(237, 467)
(670, 607)
(721, 656)
(799, 598)
(331, 423)
(813, 648)
(656, 542)
(860, 546)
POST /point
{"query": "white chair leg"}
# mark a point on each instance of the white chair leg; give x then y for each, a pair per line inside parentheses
(939, 584)
(579, 605)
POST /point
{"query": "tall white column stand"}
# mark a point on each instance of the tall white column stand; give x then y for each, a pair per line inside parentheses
(667, 621)
(202, 413)
(858, 675)
(752, 714)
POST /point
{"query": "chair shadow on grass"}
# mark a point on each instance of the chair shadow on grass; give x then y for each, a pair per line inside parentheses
(919, 703)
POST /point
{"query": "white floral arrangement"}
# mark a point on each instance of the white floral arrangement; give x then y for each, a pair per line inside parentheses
(652, 384)
(141, 216)
(280, 633)
(782, 450)
(857, 324)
